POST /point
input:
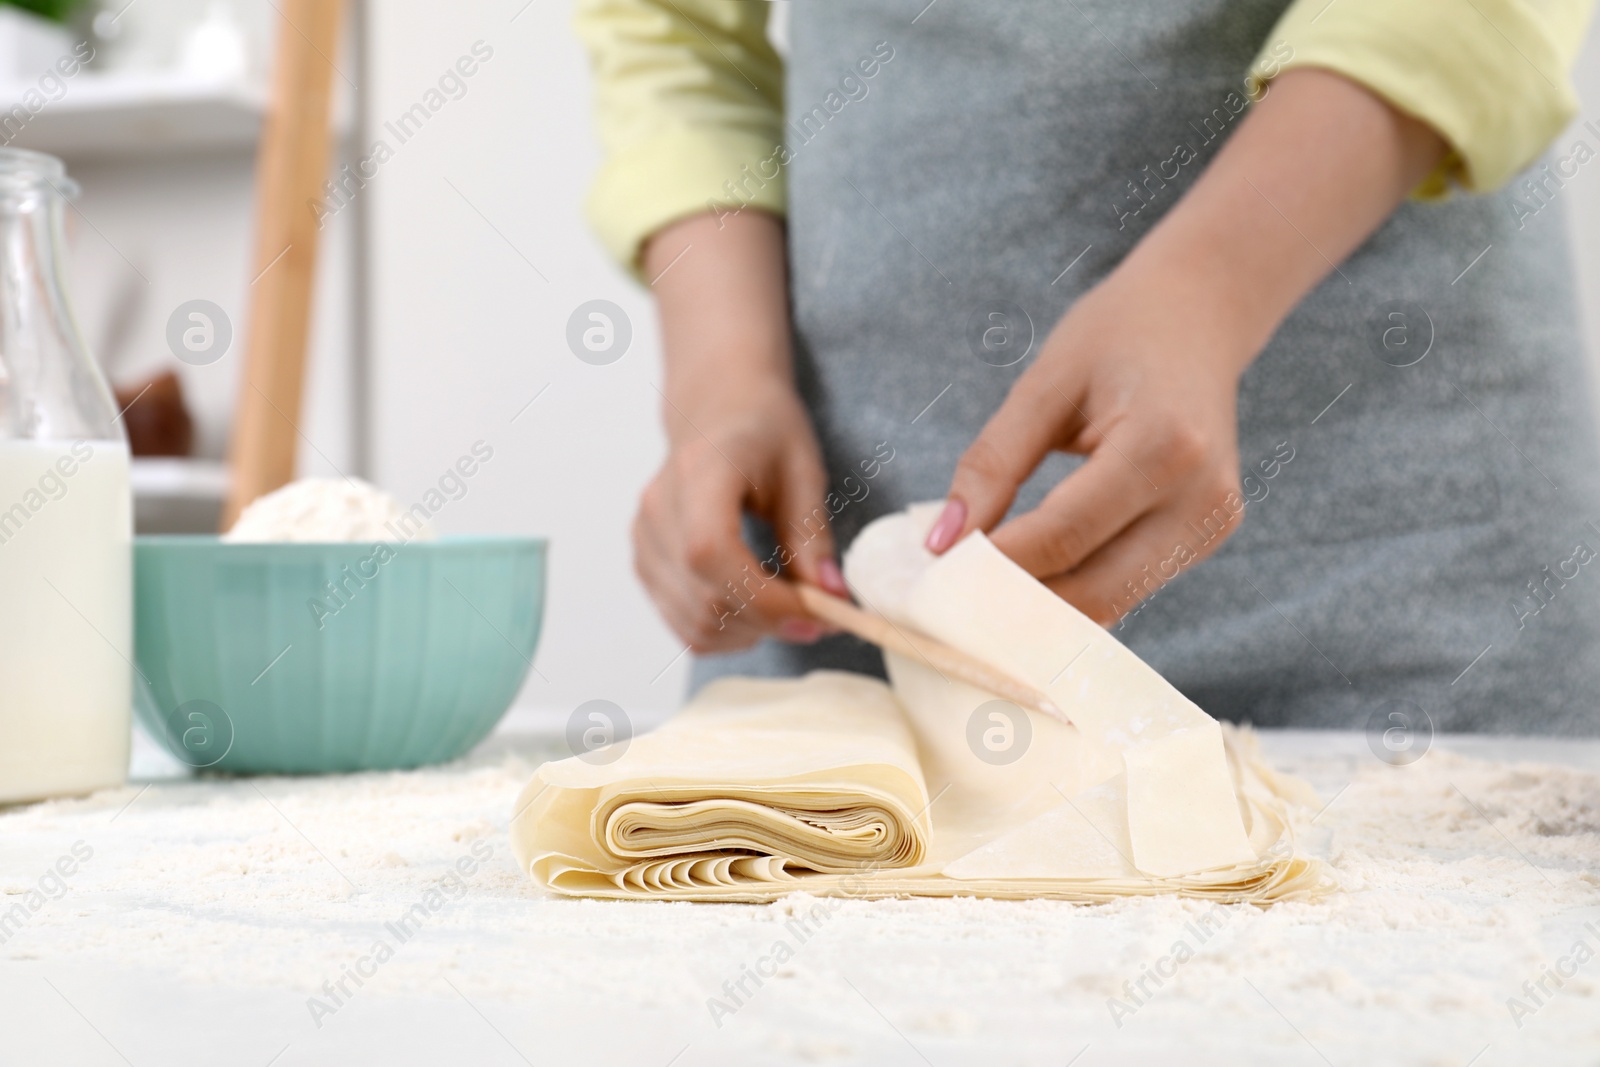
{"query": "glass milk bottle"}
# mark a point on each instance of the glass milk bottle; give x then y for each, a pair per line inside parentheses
(66, 599)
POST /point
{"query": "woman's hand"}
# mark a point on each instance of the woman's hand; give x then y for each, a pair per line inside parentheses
(1141, 374)
(739, 439)
(756, 452)
(1140, 377)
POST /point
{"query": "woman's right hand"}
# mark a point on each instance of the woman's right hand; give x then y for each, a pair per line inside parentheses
(755, 453)
(739, 439)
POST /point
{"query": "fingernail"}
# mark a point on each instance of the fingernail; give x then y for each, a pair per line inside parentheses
(799, 631)
(948, 527)
(831, 578)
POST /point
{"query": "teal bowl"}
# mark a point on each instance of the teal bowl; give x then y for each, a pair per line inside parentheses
(309, 658)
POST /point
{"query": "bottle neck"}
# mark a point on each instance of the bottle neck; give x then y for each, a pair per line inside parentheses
(31, 240)
(50, 386)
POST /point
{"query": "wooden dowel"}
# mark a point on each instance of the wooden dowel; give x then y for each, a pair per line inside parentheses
(914, 644)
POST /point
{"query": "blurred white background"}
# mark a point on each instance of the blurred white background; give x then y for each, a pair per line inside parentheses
(445, 287)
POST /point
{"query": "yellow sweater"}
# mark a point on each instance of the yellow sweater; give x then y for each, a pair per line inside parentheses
(689, 91)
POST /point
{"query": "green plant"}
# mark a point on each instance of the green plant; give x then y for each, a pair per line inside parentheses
(54, 10)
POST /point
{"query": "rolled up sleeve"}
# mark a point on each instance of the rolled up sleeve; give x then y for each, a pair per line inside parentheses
(1492, 77)
(689, 105)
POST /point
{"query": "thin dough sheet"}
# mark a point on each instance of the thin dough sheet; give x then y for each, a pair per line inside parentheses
(837, 784)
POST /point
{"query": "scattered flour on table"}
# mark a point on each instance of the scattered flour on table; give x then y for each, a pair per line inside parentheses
(1460, 880)
(327, 509)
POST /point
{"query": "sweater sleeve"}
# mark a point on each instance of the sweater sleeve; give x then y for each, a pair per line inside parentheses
(1493, 77)
(688, 94)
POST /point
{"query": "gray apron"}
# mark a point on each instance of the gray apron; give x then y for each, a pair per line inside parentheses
(1428, 539)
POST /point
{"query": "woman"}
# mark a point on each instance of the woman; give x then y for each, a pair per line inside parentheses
(1336, 452)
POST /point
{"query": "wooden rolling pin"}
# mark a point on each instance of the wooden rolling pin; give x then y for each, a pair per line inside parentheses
(879, 631)
(291, 165)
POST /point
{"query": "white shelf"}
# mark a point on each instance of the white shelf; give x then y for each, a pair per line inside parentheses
(135, 114)
(173, 476)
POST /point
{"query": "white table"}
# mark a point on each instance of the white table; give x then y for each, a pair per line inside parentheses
(210, 911)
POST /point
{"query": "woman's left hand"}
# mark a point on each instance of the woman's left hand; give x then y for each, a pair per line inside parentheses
(1140, 377)
(1142, 374)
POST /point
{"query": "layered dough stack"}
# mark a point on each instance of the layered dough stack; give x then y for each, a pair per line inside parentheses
(836, 783)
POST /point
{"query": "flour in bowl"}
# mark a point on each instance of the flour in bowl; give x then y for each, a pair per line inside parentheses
(328, 509)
